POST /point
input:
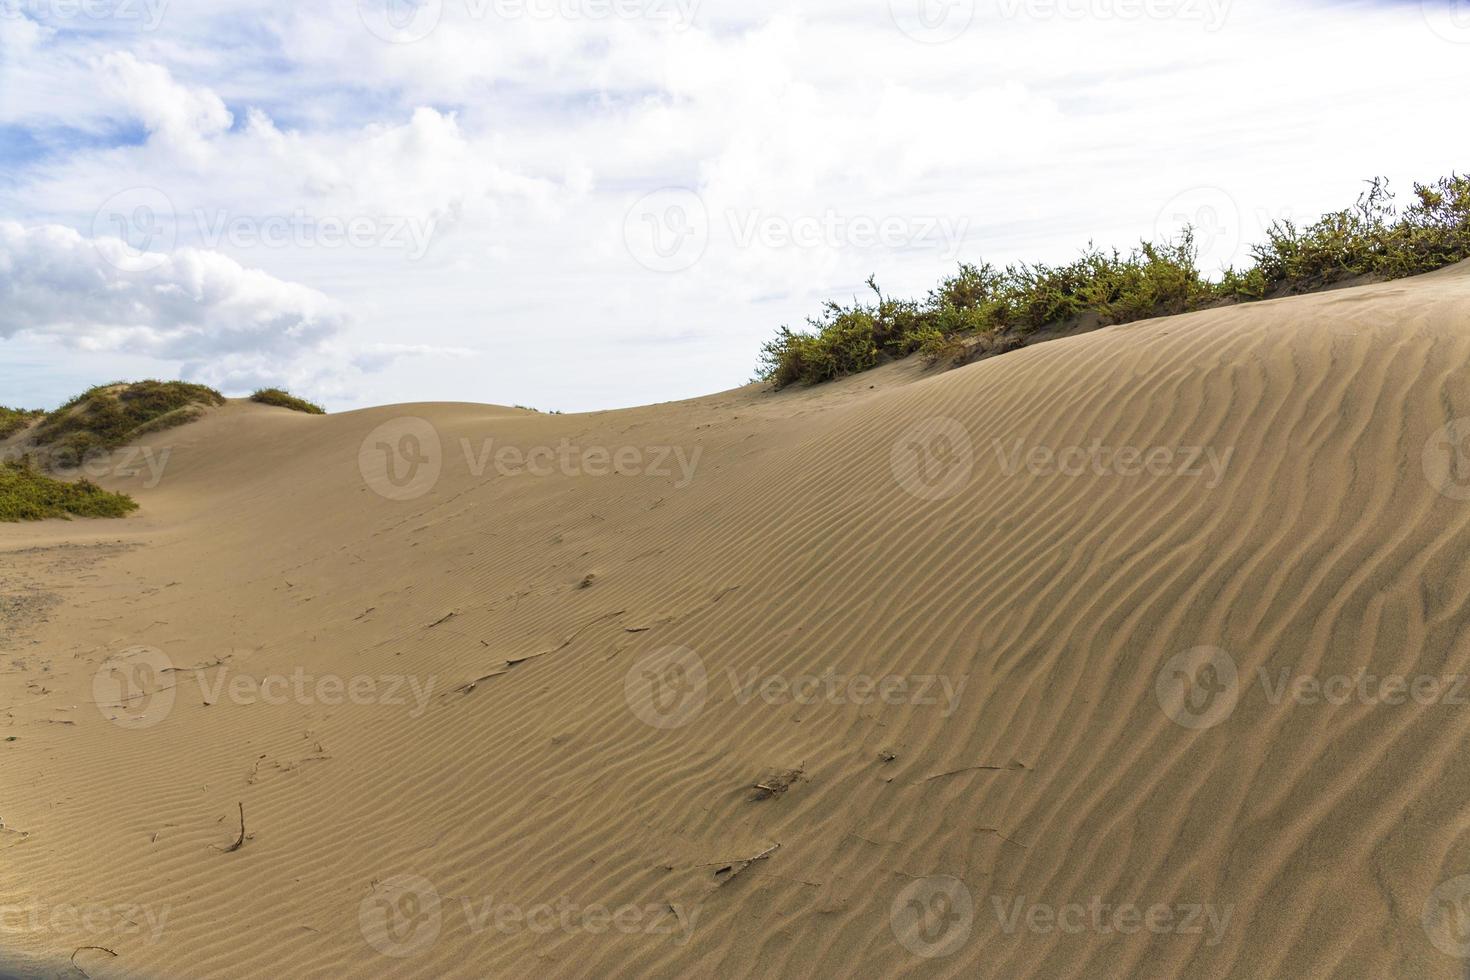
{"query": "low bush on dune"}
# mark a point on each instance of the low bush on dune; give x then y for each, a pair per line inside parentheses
(12, 420)
(983, 310)
(284, 399)
(29, 495)
(107, 416)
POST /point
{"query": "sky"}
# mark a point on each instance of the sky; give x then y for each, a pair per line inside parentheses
(589, 204)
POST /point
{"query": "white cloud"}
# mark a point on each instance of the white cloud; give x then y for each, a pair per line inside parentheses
(183, 118)
(99, 294)
(521, 139)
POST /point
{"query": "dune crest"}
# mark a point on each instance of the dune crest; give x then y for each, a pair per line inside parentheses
(1054, 665)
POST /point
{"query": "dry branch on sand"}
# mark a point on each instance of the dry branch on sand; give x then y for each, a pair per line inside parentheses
(239, 841)
(727, 873)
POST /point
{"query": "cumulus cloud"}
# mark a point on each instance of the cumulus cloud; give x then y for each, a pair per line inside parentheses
(100, 294)
(515, 136)
(184, 118)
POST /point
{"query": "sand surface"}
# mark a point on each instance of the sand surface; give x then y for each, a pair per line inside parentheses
(1007, 717)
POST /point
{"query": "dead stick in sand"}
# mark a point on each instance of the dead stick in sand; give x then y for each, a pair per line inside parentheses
(731, 870)
(74, 953)
(1013, 767)
(240, 842)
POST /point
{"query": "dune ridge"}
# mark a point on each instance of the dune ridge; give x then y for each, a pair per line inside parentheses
(847, 530)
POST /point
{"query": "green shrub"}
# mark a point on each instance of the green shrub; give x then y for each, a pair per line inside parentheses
(283, 399)
(12, 420)
(1003, 307)
(28, 495)
(107, 416)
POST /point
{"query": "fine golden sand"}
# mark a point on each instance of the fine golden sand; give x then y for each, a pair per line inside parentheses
(1011, 671)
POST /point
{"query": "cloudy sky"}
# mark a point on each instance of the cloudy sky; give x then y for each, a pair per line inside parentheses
(581, 204)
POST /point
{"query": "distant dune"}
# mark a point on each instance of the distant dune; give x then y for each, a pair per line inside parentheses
(1075, 662)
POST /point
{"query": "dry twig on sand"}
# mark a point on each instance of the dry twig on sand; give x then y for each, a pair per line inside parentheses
(240, 841)
(728, 872)
(79, 949)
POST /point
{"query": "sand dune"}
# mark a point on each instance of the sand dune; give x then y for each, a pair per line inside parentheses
(992, 672)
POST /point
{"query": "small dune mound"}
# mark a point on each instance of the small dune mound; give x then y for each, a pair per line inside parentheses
(108, 416)
(13, 420)
(284, 399)
(29, 495)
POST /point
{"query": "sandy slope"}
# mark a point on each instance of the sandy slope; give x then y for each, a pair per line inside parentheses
(1032, 766)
